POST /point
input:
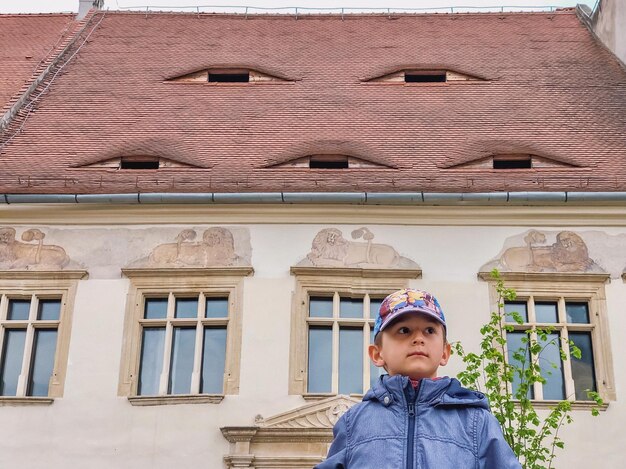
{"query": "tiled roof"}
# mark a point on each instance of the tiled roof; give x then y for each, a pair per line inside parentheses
(26, 43)
(550, 90)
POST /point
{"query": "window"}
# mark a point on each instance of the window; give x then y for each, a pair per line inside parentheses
(424, 77)
(332, 327)
(512, 162)
(35, 321)
(575, 311)
(329, 162)
(134, 163)
(184, 331)
(233, 77)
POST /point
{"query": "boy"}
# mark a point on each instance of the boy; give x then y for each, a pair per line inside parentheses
(411, 419)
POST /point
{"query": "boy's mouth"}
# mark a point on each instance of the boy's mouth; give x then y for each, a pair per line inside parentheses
(419, 354)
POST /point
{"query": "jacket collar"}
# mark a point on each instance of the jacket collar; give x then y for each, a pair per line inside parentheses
(442, 391)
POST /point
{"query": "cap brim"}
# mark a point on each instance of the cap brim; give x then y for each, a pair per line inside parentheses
(406, 311)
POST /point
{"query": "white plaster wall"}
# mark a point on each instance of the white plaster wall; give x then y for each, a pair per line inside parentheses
(610, 26)
(91, 427)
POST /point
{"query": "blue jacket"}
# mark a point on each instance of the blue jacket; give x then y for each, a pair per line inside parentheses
(440, 426)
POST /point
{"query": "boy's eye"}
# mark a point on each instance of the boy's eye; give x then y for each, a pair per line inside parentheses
(430, 330)
(403, 330)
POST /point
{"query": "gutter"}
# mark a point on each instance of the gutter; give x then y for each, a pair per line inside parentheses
(349, 198)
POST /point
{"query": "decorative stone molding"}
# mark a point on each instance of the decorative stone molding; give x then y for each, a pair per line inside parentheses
(298, 438)
(176, 399)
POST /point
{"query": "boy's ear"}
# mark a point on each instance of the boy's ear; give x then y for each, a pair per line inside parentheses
(447, 351)
(374, 352)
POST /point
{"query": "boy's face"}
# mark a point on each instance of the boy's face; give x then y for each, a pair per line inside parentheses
(413, 346)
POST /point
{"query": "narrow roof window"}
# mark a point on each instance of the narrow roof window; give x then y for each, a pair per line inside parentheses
(424, 77)
(512, 162)
(328, 162)
(229, 77)
(139, 164)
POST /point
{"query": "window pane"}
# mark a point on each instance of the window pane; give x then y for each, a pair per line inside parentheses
(375, 371)
(516, 346)
(213, 360)
(44, 347)
(151, 360)
(577, 313)
(546, 312)
(186, 308)
(351, 307)
(217, 307)
(320, 359)
(374, 306)
(583, 370)
(181, 365)
(320, 307)
(11, 364)
(18, 310)
(350, 360)
(49, 310)
(156, 308)
(552, 368)
(518, 307)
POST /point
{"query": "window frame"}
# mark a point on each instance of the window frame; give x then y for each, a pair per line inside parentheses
(324, 281)
(181, 282)
(36, 285)
(561, 288)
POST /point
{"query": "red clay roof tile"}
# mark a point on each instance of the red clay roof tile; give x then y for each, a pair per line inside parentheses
(551, 91)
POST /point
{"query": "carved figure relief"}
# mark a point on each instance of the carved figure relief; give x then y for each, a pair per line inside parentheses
(322, 414)
(568, 253)
(331, 249)
(216, 248)
(33, 254)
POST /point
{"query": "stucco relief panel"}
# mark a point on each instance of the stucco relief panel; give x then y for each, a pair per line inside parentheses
(104, 251)
(32, 252)
(214, 248)
(561, 251)
(330, 248)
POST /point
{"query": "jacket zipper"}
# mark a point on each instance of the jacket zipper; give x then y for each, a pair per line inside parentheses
(409, 449)
(411, 435)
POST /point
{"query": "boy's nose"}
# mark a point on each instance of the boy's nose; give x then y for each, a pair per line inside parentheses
(418, 338)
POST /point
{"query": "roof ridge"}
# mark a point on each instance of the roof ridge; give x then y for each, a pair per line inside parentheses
(19, 15)
(40, 80)
(306, 12)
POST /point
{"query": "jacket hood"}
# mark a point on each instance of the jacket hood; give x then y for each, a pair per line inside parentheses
(441, 391)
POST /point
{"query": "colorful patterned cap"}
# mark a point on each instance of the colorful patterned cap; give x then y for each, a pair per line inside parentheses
(407, 301)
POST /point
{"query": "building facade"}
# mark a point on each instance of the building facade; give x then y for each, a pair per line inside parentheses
(200, 213)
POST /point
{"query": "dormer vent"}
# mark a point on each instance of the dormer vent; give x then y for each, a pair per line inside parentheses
(512, 162)
(229, 77)
(424, 77)
(328, 162)
(217, 76)
(132, 163)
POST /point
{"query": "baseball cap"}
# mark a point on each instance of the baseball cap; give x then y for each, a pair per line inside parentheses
(406, 301)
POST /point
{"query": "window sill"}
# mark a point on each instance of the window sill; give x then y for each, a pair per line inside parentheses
(576, 405)
(325, 395)
(18, 401)
(176, 399)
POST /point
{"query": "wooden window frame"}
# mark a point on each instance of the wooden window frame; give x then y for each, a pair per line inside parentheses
(561, 288)
(182, 282)
(35, 285)
(346, 282)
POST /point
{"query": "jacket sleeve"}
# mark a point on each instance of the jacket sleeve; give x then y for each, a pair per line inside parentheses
(336, 458)
(493, 450)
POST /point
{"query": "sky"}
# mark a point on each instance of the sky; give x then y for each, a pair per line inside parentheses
(46, 6)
